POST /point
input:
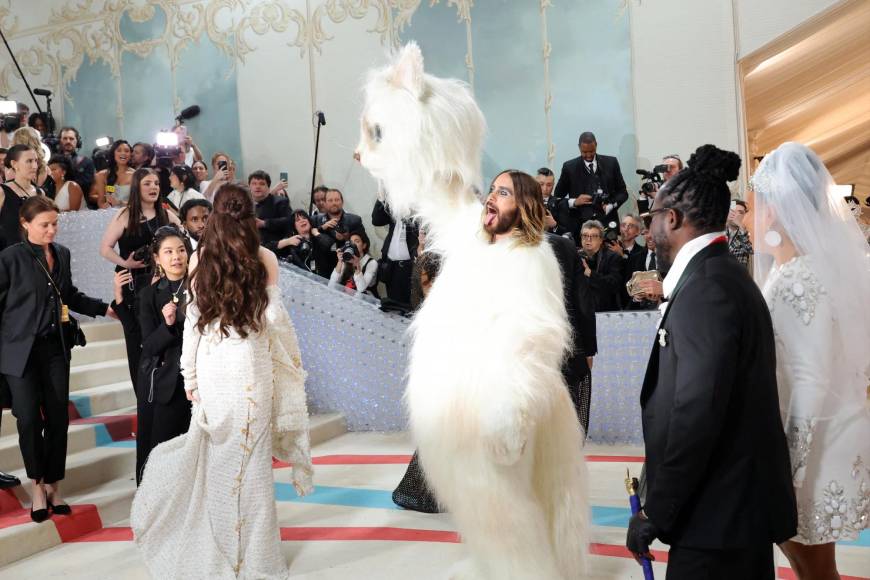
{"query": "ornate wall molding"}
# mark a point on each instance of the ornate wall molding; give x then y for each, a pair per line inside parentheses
(548, 94)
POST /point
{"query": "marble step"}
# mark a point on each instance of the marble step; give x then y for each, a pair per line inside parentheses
(98, 373)
(103, 329)
(100, 485)
(100, 350)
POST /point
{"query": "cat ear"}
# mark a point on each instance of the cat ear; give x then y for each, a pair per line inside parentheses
(408, 71)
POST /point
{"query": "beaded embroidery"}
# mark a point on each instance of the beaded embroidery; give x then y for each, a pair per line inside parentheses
(800, 289)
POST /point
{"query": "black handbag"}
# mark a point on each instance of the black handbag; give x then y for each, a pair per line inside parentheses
(413, 493)
(72, 334)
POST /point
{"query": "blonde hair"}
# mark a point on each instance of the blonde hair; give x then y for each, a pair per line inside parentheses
(30, 137)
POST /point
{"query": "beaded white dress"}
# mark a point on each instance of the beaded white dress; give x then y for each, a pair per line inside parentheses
(206, 507)
(825, 410)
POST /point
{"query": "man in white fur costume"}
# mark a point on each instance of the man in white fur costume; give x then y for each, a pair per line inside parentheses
(497, 434)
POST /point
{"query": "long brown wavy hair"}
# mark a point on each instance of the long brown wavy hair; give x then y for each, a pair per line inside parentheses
(530, 207)
(230, 280)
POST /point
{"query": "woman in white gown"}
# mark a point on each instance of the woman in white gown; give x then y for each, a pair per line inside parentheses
(815, 286)
(206, 507)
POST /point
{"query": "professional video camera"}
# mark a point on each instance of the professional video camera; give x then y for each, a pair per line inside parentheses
(9, 118)
(100, 154)
(651, 180)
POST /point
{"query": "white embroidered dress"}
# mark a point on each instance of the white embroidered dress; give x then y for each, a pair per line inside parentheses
(206, 506)
(826, 414)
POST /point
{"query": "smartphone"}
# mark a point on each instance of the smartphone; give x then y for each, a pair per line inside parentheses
(222, 165)
(284, 177)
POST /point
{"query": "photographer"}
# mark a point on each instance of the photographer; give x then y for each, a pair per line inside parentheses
(83, 171)
(331, 230)
(355, 269)
(592, 186)
(190, 152)
(143, 155)
(274, 214)
(554, 207)
(298, 249)
(400, 246)
(674, 165)
(602, 268)
(739, 244)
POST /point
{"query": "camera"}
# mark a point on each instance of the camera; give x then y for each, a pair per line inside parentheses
(9, 118)
(142, 254)
(166, 149)
(100, 154)
(611, 233)
(349, 251)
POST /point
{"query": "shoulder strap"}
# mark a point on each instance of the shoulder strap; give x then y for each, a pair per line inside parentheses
(44, 269)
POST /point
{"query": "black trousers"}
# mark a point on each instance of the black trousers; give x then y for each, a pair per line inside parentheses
(580, 389)
(132, 332)
(746, 564)
(157, 423)
(399, 285)
(40, 403)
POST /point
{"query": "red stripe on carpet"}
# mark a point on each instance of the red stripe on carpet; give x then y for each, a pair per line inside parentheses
(615, 458)
(404, 459)
(84, 520)
(14, 518)
(120, 427)
(367, 533)
(107, 535)
(8, 502)
(73, 412)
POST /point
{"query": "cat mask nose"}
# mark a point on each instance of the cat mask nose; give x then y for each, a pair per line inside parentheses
(356, 156)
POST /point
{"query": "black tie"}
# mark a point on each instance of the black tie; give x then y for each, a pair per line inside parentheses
(652, 261)
(591, 168)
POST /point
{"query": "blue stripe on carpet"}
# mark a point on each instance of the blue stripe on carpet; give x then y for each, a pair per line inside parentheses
(607, 516)
(131, 443)
(343, 496)
(82, 404)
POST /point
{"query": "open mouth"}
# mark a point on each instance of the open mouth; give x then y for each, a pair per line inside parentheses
(491, 215)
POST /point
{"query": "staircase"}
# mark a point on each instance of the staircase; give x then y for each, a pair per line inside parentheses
(101, 454)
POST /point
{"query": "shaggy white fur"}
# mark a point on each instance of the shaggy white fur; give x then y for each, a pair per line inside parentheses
(497, 433)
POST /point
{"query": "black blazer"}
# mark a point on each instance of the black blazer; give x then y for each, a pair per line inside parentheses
(381, 217)
(160, 340)
(558, 208)
(717, 461)
(635, 261)
(576, 180)
(606, 279)
(325, 244)
(23, 292)
(581, 311)
(276, 212)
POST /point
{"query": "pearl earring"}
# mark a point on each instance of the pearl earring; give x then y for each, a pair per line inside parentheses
(772, 238)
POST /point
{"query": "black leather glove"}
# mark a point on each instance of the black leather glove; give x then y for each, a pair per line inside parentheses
(641, 533)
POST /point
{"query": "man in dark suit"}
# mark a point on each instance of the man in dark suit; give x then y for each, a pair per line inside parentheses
(331, 230)
(577, 368)
(603, 270)
(592, 186)
(556, 208)
(719, 487)
(397, 257)
(274, 215)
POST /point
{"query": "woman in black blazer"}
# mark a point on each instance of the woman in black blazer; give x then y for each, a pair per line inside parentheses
(163, 411)
(36, 295)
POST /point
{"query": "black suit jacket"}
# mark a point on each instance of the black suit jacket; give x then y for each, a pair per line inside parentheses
(635, 261)
(381, 217)
(575, 180)
(605, 281)
(558, 208)
(325, 245)
(160, 340)
(23, 292)
(278, 215)
(581, 311)
(717, 461)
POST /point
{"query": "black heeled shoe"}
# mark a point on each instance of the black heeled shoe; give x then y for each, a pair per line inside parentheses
(60, 509)
(38, 516)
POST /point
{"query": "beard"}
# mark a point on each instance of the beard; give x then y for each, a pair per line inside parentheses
(500, 222)
(664, 252)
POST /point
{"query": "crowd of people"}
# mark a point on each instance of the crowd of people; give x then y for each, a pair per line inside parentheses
(193, 223)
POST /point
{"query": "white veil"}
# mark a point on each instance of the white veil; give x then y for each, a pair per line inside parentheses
(794, 183)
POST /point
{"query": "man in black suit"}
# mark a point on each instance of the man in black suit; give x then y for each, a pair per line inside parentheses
(592, 186)
(556, 208)
(719, 487)
(577, 368)
(602, 268)
(331, 230)
(397, 256)
(274, 215)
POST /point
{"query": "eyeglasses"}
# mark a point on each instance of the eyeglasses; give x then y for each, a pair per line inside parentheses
(590, 237)
(648, 216)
